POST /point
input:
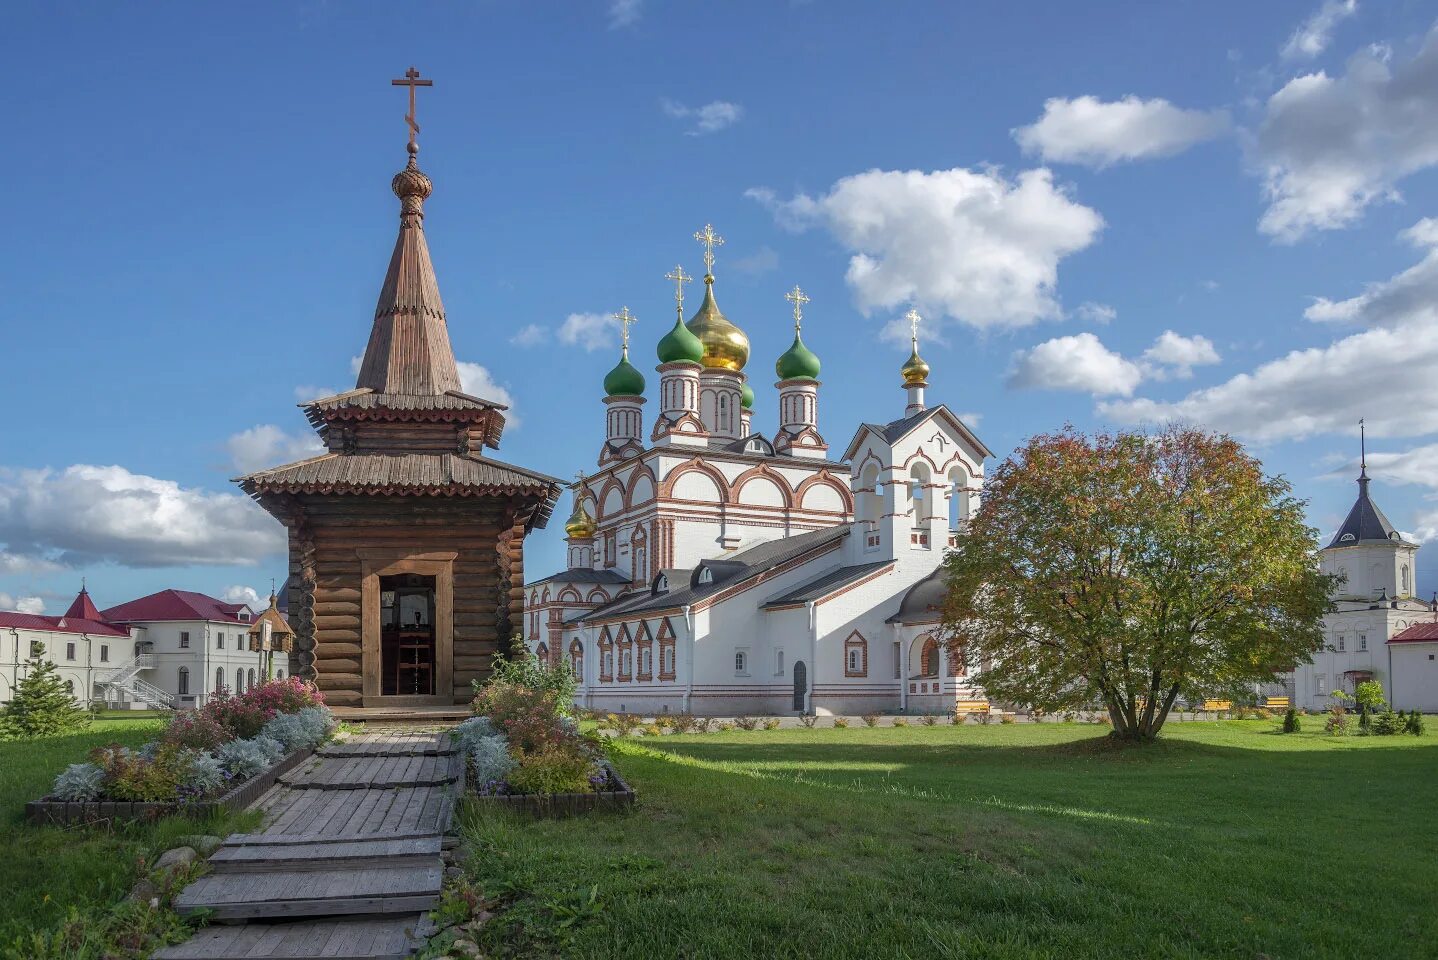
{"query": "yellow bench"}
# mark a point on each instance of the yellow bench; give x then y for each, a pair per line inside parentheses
(1277, 703)
(1217, 705)
(971, 706)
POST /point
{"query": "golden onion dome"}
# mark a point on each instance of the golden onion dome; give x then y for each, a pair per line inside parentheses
(725, 345)
(915, 370)
(580, 525)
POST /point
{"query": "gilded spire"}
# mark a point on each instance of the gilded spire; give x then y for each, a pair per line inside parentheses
(710, 239)
(580, 525)
(915, 371)
(409, 351)
(725, 345)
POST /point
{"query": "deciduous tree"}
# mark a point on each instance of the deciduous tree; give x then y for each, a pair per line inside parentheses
(1131, 569)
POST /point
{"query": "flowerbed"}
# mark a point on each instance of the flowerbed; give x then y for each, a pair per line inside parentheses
(205, 756)
(524, 748)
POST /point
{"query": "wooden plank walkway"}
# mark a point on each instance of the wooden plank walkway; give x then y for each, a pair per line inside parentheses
(354, 833)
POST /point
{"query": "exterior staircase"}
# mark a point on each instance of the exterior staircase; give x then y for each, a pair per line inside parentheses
(125, 683)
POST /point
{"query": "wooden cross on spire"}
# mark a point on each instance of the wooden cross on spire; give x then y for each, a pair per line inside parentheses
(798, 298)
(914, 319)
(680, 278)
(411, 80)
(625, 318)
(710, 239)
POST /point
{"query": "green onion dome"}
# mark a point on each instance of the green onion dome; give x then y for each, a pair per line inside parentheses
(797, 363)
(746, 397)
(624, 380)
(680, 344)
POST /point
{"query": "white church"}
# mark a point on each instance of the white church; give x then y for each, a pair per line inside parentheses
(715, 570)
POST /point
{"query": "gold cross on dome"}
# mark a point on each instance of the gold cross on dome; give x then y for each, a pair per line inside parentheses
(680, 278)
(710, 239)
(625, 318)
(411, 80)
(914, 319)
(798, 299)
(579, 479)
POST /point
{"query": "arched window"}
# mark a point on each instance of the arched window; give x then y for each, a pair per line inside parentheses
(1405, 579)
(250, 682)
(542, 652)
(183, 683)
(958, 498)
(856, 655)
(576, 659)
(279, 674)
(70, 687)
(219, 679)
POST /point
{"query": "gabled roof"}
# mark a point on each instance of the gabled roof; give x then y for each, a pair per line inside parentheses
(1418, 633)
(66, 624)
(826, 584)
(1365, 522)
(582, 575)
(728, 572)
(176, 605)
(895, 430)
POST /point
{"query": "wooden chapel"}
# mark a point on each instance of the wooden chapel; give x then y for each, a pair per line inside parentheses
(406, 542)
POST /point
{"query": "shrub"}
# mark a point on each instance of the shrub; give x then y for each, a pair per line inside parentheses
(723, 725)
(901, 721)
(957, 718)
(300, 731)
(205, 776)
(1263, 713)
(1387, 723)
(1006, 718)
(841, 722)
(1069, 717)
(928, 720)
(1338, 720)
(1369, 694)
(808, 720)
(1414, 724)
(490, 761)
(771, 723)
(1291, 722)
(242, 717)
(746, 723)
(682, 722)
(197, 730)
(41, 706)
(703, 724)
(554, 769)
(528, 717)
(625, 723)
(246, 758)
(130, 776)
(465, 735)
(527, 670)
(290, 695)
(870, 719)
(80, 781)
(653, 730)
(986, 718)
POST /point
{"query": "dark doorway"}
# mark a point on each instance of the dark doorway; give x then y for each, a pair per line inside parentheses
(801, 685)
(407, 643)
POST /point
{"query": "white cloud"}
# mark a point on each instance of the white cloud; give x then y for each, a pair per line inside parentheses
(761, 261)
(267, 445)
(249, 596)
(624, 13)
(1096, 133)
(1314, 34)
(1383, 373)
(90, 514)
(972, 245)
(1174, 355)
(1100, 313)
(1082, 362)
(477, 381)
(307, 392)
(591, 331)
(22, 604)
(971, 420)
(709, 118)
(1330, 146)
(530, 335)
(1079, 362)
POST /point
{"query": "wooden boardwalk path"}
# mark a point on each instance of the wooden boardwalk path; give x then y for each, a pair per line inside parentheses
(346, 862)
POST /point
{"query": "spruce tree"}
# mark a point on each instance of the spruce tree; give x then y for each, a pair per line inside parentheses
(42, 706)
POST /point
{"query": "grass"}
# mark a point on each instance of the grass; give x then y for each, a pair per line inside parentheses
(63, 882)
(1224, 839)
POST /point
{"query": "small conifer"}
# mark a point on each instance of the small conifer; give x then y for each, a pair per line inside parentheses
(42, 706)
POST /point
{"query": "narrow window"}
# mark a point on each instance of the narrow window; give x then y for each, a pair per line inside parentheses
(1340, 643)
(779, 663)
(183, 685)
(184, 639)
(104, 653)
(70, 651)
(220, 641)
(739, 661)
(219, 679)
(1363, 641)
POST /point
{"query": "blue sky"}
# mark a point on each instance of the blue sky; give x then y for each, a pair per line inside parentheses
(1115, 216)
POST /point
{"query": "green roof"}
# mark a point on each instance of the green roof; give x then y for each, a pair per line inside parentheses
(624, 380)
(798, 362)
(680, 344)
(746, 397)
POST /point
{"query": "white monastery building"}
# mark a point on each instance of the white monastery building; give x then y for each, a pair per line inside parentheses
(1380, 630)
(714, 569)
(174, 648)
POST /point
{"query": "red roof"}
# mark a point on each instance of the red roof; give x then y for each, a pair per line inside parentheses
(65, 624)
(1418, 633)
(83, 607)
(176, 605)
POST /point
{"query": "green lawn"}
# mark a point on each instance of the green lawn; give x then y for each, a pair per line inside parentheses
(48, 874)
(1223, 840)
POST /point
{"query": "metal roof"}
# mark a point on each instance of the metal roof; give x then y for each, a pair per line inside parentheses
(924, 601)
(176, 605)
(825, 584)
(1365, 522)
(582, 575)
